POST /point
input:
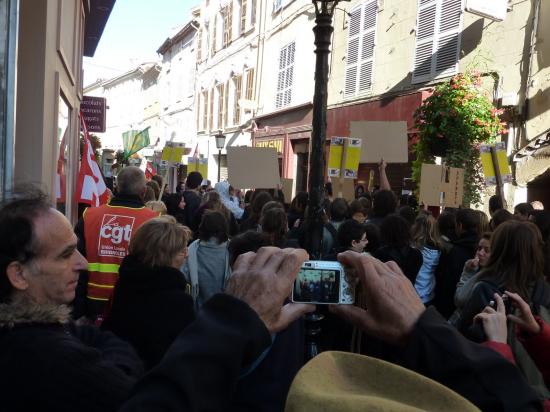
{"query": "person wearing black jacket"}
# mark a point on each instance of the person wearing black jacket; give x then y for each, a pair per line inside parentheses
(192, 198)
(150, 304)
(451, 264)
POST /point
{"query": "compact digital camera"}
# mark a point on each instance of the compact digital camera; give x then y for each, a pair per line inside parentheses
(323, 283)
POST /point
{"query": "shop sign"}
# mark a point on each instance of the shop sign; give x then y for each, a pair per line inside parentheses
(93, 109)
(275, 143)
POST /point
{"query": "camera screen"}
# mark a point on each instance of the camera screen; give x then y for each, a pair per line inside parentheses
(317, 286)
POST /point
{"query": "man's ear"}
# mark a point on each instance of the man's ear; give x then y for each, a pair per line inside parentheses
(15, 274)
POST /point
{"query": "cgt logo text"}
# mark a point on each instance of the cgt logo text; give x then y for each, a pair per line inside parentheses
(116, 228)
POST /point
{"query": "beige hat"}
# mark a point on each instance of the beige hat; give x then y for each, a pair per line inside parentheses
(345, 382)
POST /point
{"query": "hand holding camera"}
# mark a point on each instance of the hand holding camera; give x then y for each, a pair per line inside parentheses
(494, 321)
(524, 318)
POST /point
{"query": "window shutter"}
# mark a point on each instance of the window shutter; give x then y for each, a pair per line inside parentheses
(277, 5)
(199, 45)
(250, 85)
(285, 78)
(360, 52)
(226, 104)
(437, 39)
(214, 32)
(205, 110)
(237, 97)
(243, 17)
(211, 111)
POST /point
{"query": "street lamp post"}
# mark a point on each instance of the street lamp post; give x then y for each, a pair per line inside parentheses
(220, 144)
(324, 10)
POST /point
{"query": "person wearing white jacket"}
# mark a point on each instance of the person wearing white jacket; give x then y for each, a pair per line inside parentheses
(230, 202)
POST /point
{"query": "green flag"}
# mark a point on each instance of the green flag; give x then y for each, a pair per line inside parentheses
(134, 141)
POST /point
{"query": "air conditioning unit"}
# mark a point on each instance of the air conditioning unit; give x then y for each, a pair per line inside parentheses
(491, 9)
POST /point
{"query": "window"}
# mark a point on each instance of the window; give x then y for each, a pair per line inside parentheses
(227, 24)
(204, 110)
(277, 5)
(211, 111)
(360, 54)
(250, 84)
(225, 104)
(237, 82)
(438, 28)
(286, 76)
(253, 13)
(242, 27)
(199, 45)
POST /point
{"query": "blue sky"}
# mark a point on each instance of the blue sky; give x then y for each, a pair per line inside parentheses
(134, 32)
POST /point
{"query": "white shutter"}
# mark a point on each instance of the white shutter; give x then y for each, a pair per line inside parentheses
(285, 79)
(361, 42)
(438, 28)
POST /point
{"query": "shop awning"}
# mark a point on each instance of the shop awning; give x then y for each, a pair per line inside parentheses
(533, 159)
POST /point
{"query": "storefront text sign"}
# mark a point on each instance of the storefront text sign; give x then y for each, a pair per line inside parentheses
(94, 109)
(275, 143)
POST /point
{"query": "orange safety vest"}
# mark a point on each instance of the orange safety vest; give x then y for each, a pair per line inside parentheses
(107, 231)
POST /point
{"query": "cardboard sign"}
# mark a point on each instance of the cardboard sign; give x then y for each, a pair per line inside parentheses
(335, 156)
(352, 154)
(287, 188)
(344, 188)
(487, 165)
(253, 167)
(502, 159)
(441, 186)
(386, 140)
(94, 110)
(197, 164)
(173, 152)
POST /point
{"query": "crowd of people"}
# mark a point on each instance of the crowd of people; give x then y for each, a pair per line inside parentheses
(183, 303)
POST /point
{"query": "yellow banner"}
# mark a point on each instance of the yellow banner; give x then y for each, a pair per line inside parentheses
(173, 152)
(503, 166)
(195, 164)
(335, 156)
(351, 158)
(487, 165)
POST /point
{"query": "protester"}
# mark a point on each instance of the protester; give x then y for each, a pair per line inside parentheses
(297, 208)
(150, 304)
(192, 198)
(339, 211)
(446, 226)
(249, 241)
(156, 188)
(274, 225)
(157, 206)
(451, 264)
(212, 202)
(495, 204)
(49, 363)
(396, 246)
(104, 233)
(499, 217)
(483, 222)
(407, 213)
(357, 211)
(541, 218)
(522, 211)
(373, 236)
(426, 239)
(259, 199)
(149, 194)
(175, 206)
(229, 200)
(207, 267)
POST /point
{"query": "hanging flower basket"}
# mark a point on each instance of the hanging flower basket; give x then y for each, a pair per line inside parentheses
(452, 123)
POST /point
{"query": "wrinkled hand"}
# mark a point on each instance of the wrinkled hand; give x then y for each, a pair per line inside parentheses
(526, 321)
(494, 321)
(264, 279)
(393, 306)
(472, 264)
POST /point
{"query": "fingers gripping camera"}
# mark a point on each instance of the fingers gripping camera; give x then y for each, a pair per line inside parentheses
(323, 282)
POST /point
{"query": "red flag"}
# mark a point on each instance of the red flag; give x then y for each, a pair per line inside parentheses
(60, 179)
(90, 188)
(149, 171)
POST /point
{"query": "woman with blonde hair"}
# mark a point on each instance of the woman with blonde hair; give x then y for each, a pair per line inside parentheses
(425, 237)
(151, 304)
(157, 206)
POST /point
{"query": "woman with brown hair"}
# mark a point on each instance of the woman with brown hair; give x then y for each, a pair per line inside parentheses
(213, 203)
(516, 264)
(150, 304)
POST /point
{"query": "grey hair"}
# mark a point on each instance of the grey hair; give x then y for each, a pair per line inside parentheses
(131, 181)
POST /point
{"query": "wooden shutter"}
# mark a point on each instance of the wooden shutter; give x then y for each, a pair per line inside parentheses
(211, 111)
(214, 33)
(360, 51)
(438, 28)
(238, 80)
(225, 104)
(242, 28)
(227, 24)
(220, 88)
(253, 13)
(204, 110)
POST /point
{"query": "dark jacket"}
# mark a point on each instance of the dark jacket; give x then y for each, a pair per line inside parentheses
(407, 258)
(49, 364)
(449, 269)
(192, 204)
(150, 307)
(172, 202)
(203, 365)
(81, 305)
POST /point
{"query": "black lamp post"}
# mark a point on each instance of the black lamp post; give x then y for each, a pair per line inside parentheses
(324, 10)
(220, 144)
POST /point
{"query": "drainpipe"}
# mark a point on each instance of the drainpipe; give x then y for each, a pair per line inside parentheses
(529, 81)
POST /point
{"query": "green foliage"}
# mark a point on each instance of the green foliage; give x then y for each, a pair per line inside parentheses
(460, 116)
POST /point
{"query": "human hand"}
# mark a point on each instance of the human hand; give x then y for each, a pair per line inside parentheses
(472, 264)
(296, 223)
(382, 164)
(494, 321)
(264, 279)
(393, 306)
(526, 321)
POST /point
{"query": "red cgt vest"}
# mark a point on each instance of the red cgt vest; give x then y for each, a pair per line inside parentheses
(107, 231)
